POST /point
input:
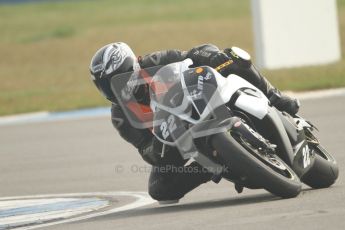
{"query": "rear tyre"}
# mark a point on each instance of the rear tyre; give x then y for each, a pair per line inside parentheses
(272, 174)
(324, 171)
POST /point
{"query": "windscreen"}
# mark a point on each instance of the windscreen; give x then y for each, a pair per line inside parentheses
(166, 91)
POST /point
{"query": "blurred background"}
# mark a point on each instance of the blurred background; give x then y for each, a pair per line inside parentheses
(46, 46)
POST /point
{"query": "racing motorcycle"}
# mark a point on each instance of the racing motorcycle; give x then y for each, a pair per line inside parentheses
(230, 128)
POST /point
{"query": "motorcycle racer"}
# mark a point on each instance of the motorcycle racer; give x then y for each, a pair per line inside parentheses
(171, 184)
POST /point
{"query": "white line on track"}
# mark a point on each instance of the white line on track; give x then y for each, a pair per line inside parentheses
(22, 118)
(317, 94)
(142, 199)
(105, 111)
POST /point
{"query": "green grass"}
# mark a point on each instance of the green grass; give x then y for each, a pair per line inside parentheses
(46, 48)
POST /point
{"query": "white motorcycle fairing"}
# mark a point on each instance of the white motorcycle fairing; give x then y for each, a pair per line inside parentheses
(251, 100)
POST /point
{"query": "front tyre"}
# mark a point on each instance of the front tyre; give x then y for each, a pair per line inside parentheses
(324, 171)
(270, 173)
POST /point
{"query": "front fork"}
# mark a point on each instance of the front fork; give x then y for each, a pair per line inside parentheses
(293, 144)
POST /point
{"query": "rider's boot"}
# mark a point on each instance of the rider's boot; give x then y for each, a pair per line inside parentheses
(283, 102)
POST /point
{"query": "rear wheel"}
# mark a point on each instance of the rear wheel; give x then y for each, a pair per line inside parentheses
(324, 171)
(266, 170)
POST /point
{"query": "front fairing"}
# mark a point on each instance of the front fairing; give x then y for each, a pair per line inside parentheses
(183, 96)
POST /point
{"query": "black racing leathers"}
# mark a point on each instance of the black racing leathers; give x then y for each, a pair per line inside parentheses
(151, 149)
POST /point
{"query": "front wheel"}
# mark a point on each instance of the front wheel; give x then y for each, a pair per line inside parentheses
(324, 171)
(267, 170)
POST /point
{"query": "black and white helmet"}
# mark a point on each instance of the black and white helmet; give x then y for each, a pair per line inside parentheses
(109, 60)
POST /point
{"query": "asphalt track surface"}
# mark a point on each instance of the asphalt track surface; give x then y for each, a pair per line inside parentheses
(88, 156)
